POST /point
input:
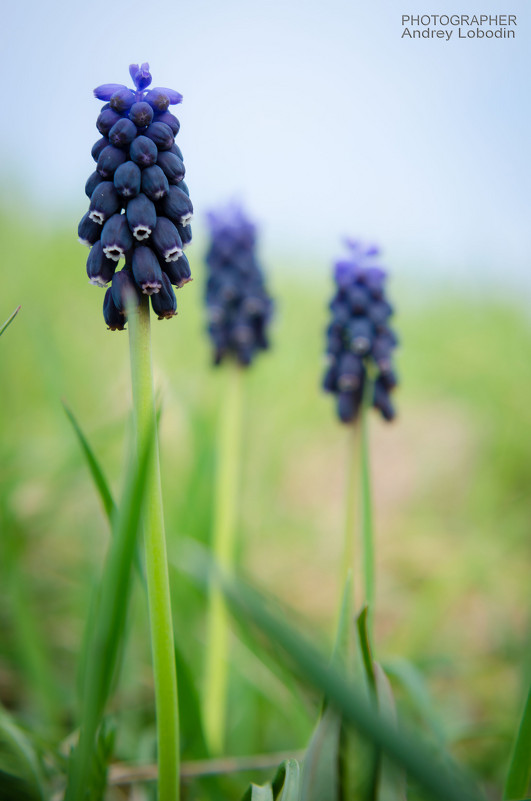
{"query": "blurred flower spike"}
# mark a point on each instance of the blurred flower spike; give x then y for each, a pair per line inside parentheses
(139, 209)
(238, 304)
(359, 339)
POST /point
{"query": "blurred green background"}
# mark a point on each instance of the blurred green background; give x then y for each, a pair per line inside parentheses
(451, 491)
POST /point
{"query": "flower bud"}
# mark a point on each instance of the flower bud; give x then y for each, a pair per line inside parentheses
(157, 100)
(116, 237)
(141, 216)
(98, 146)
(143, 151)
(169, 119)
(161, 134)
(154, 183)
(122, 99)
(109, 160)
(127, 179)
(171, 165)
(122, 133)
(92, 182)
(146, 270)
(100, 269)
(106, 120)
(141, 114)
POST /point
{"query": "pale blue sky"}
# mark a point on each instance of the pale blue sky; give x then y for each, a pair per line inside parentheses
(318, 115)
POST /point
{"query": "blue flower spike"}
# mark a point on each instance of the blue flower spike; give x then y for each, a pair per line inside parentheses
(238, 304)
(359, 339)
(140, 208)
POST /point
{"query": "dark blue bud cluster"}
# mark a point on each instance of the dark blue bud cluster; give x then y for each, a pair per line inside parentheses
(359, 340)
(140, 209)
(239, 307)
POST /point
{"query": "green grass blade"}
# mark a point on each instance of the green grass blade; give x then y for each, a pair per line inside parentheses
(286, 784)
(391, 778)
(9, 320)
(108, 625)
(17, 754)
(257, 792)
(404, 748)
(520, 769)
(365, 648)
(95, 470)
(342, 655)
(320, 773)
(412, 680)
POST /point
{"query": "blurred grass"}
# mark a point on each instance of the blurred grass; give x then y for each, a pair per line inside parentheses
(451, 488)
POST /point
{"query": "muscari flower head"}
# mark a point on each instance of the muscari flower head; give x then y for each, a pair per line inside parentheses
(238, 304)
(140, 209)
(359, 339)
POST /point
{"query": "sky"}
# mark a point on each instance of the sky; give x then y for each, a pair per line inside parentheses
(317, 116)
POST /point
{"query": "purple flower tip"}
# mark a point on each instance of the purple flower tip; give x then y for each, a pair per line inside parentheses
(141, 75)
(106, 90)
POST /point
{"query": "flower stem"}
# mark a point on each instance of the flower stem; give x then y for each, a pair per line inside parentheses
(351, 501)
(367, 532)
(223, 546)
(158, 586)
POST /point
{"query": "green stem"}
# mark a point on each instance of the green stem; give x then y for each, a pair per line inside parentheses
(223, 547)
(158, 585)
(351, 498)
(367, 531)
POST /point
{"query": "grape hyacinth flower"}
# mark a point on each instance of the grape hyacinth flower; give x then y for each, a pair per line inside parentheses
(359, 339)
(140, 209)
(239, 306)
(239, 310)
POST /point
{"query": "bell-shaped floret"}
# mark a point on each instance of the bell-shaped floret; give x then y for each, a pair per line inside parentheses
(104, 202)
(124, 290)
(166, 240)
(100, 269)
(116, 237)
(178, 271)
(88, 231)
(146, 270)
(141, 216)
(177, 206)
(164, 302)
(115, 321)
